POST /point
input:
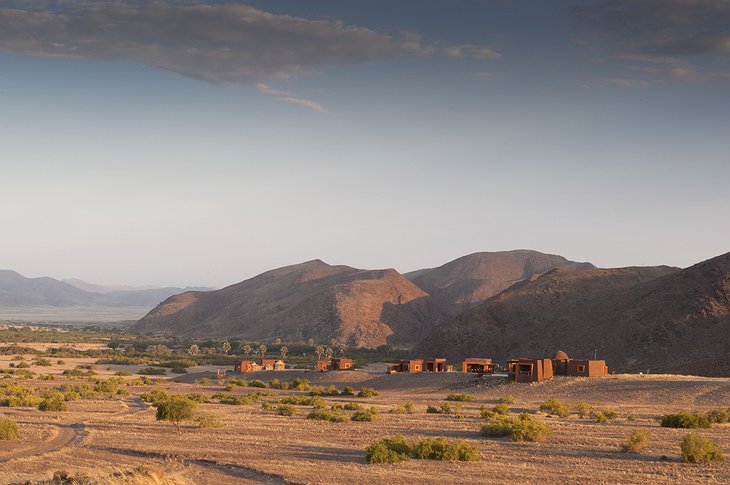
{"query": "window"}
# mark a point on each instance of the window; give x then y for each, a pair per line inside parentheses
(581, 368)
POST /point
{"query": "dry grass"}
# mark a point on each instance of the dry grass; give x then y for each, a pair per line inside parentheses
(256, 445)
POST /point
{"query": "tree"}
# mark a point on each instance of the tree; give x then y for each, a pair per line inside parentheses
(176, 408)
(262, 350)
(342, 348)
(333, 342)
(194, 350)
(319, 351)
(277, 341)
(310, 342)
(247, 350)
(329, 353)
(283, 351)
(226, 346)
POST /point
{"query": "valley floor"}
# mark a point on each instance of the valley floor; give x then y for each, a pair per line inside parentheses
(98, 438)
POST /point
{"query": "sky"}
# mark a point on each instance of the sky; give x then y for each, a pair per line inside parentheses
(201, 143)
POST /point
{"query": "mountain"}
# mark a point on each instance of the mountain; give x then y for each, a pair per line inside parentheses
(94, 288)
(364, 308)
(17, 291)
(472, 279)
(657, 319)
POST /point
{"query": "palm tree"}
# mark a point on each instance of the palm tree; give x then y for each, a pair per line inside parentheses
(226, 346)
(342, 348)
(310, 342)
(283, 351)
(319, 351)
(277, 341)
(329, 353)
(262, 350)
(194, 350)
(247, 350)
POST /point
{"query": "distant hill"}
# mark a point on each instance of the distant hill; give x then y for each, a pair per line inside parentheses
(657, 319)
(94, 288)
(365, 308)
(17, 291)
(472, 279)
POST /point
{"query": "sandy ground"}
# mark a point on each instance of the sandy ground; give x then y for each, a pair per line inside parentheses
(257, 446)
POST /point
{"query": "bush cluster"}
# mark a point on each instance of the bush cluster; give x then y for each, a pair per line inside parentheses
(696, 449)
(367, 392)
(445, 408)
(718, 416)
(9, 429)
(370, 414)
(522, 428)
(460, 397)
(555, 408)
(685, 420)
(322, 414)
(405, 408)
(638, 441)
(397, 449)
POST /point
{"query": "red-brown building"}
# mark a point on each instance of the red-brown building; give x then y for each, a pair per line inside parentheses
(565, 366)
(434, 365)
(333, 364)
(409, 366)
(479, 366)
(242, 366)
(529, 370)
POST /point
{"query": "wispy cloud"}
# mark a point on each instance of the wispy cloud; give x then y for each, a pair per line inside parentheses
(682, 40)
(290, 98)
(222, 43)
(472, 52)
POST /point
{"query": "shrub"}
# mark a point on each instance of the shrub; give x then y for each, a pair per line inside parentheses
(352, 406)
(61, 362)
(348, 391)
(555, 408)
(405, 408)
(277, 384)
(303, 401)
(718, 416)
(42, 362)
(367, 392)
(522, 428)
(154, 397)
(433, 410)
(441, 449)
(300, 384)
(208, 421)
(460, 397)
(583, 409)
(685, 420)
(178, 370)
(257, 383)
(388, 450)
(197, 397)
(501, 409)
(176, 408)
(696, 449)
(508, 400)
(327, 415)
(631, 417)
(237, 400)
(366, 415)
(23, 365)
(610, 414)
(286, 410)
(122, 373)
(321, 391)
(53, 404)
(638, 441)
(151, 371)
(8, 429)
(599, 417)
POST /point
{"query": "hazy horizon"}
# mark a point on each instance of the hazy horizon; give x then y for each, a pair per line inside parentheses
(202, 143)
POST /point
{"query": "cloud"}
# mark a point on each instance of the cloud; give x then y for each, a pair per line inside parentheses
(472, 52)
(290, 98)
(690, 38)
(221, 43)
(620, 82)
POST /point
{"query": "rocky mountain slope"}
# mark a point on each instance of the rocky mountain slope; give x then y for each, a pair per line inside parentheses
(364, 308)
(472, 279)
(658, 319)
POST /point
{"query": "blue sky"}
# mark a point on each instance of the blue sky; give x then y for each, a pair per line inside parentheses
(200, 143)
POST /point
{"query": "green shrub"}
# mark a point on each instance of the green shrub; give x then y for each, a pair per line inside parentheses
(277, 384)
(696, 449)
(9, 429)
(286, 410)
(638, 441)
(197, 397)
(122, 373)
(685, 420)
(433, 410)
(42, 362)
(583, 409)
(207, 421)
(441, 449)
(599, 417)
(327, 415)
(718, 416)
(501, 409)
(508, 400)
(367, 392)
(610, 414)
(348, 391)
(154, 397)
(388, 450)
(178, 370)
(631, 417)
(460, 397)
(366, 415)
(555, 408)
(522, 428)
(300, 384)
(23, 365)
(237, 400)
(53, 404)
(352, 406)
(257, 383)
(303, 401)
(151, 371)
(321, 391)
(405, 408)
